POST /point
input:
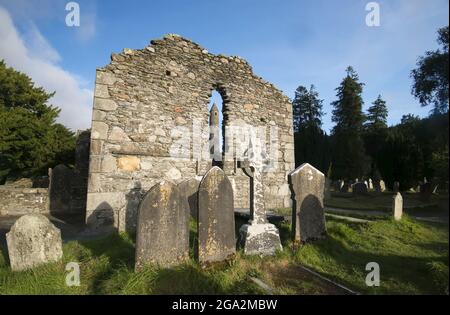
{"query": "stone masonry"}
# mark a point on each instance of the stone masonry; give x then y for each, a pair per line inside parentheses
(142, 95)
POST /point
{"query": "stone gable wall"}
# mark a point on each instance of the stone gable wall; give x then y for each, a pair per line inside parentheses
(143, 94)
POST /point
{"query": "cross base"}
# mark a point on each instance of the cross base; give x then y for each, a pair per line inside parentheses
(260, 239)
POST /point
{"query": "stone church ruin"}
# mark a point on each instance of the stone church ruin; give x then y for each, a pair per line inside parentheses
(151, 123)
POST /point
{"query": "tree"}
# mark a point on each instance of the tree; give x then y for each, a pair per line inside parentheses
(349, 158)
(307, 108)
(431, 82)
(375, 132)
(30, 140)
(311, 142)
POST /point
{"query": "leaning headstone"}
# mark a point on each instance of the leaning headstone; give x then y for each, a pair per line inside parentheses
(32, 241)
(162, 233)
(359, 188)
(216, 229)
(258, 237)
(308, 212)
(397, 206)
(396, 187)
(189, 191)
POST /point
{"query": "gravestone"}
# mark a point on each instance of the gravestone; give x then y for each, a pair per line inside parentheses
(308, 218)
(189, 191)
(397, 206)
(382, 186)
(258, 237)
(162, 233)
(32, 241)
(60, 188)
(359, 188)
(216, 229)
(396, 187)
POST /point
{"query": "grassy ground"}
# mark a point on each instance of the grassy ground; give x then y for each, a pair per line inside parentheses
(413, 259)
(380, 202)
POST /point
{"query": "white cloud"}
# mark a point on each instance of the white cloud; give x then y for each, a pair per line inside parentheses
(40, 61)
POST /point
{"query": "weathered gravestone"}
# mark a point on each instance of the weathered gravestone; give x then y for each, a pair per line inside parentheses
(359, 188)
(60, 189)
(397, 206)
(382, 185)
(32, 241)
(162, 233)
(308, 218)
(216, 230)
(189, 191)
(258, 237)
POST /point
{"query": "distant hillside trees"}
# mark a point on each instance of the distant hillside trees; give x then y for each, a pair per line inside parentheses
(30, 139)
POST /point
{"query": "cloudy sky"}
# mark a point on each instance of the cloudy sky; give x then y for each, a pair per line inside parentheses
(289, 43)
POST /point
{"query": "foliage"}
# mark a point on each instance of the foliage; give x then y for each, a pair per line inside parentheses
(349, 158)
(311, 142)
(30, 140)
(431, 81)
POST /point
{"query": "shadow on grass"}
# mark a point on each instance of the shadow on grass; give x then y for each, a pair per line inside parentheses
(346, 264)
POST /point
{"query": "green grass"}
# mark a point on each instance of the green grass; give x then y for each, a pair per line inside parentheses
(380, 201)
(413, 259)
(413, 256)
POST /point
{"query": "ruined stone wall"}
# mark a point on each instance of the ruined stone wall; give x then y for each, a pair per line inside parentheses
(142, 95)
(19, 201)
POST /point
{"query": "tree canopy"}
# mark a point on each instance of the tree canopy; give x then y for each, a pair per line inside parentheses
(30, 139)
(430, 78)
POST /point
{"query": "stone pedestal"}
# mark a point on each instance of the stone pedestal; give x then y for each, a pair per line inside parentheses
(260, 239)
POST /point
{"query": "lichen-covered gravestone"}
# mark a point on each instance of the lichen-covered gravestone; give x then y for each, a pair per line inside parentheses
(162, 235)
(189, 191)
(397, 206)
(308, 212)
(216, 230)
(32, 241)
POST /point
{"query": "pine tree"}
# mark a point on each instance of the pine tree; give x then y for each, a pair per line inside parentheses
(349, 158)
(376, 131)
(377, 114)
(307, 108)
(311, 143)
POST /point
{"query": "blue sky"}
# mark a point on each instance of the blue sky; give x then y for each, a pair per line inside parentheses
(288, 43)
